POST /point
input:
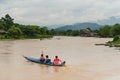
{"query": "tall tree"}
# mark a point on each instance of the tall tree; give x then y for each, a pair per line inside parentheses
(8, 22)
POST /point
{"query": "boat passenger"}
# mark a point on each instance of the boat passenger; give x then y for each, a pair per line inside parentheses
(47, 60)
(42, 59)
(56, 61)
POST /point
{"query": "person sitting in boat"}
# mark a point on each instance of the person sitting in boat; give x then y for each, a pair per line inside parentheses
(47, 60)
(42, 59)
(56, 61)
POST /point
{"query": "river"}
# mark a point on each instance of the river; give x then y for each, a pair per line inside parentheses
(84, 60)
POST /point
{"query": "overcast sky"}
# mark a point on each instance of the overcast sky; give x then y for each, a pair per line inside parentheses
(52, 12)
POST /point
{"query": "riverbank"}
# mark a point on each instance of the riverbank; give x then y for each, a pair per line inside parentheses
(2, 37)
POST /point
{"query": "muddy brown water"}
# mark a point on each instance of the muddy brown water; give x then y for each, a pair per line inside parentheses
(85, 61)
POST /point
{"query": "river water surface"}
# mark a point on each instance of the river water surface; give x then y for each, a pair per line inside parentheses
(85, 61)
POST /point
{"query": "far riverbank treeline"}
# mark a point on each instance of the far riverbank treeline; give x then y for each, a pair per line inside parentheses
(104, 31)
(11, 30)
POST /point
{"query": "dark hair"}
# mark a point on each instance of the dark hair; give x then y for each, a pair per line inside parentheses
(56, 56)
(46, 56)
(41, 54)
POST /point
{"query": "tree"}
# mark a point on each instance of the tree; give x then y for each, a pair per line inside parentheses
(75, 33)
(105, 31)
(8, 22)
(69, 32)
(14, 32)
(1, 24)
(53, 32)
(30, 30)
(115, 30)
(89, 28)
(43, 30)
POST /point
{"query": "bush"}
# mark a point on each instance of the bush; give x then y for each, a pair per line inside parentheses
(2, 37)
(116, 38)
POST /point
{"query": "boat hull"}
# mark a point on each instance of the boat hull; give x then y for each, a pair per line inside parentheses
(39, 62)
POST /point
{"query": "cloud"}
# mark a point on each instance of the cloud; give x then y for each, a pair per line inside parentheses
(50, 12)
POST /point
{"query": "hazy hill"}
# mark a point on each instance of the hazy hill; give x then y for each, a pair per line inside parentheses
(79, 26)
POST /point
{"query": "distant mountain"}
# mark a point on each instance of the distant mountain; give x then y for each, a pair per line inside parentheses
(79, 26)
(54, 26)
(110, 21)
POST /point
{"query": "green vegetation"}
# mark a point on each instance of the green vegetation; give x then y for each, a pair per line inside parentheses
(105, 31)
(115, 42)
(11, 30)
(111, 31)
(65, 33)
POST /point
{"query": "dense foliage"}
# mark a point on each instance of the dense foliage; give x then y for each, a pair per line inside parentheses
(105, 31)
(109, 31)
(16, 31)
(65, 33)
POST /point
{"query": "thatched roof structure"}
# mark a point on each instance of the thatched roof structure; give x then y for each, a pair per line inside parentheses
(2, 31)
(88, 33)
